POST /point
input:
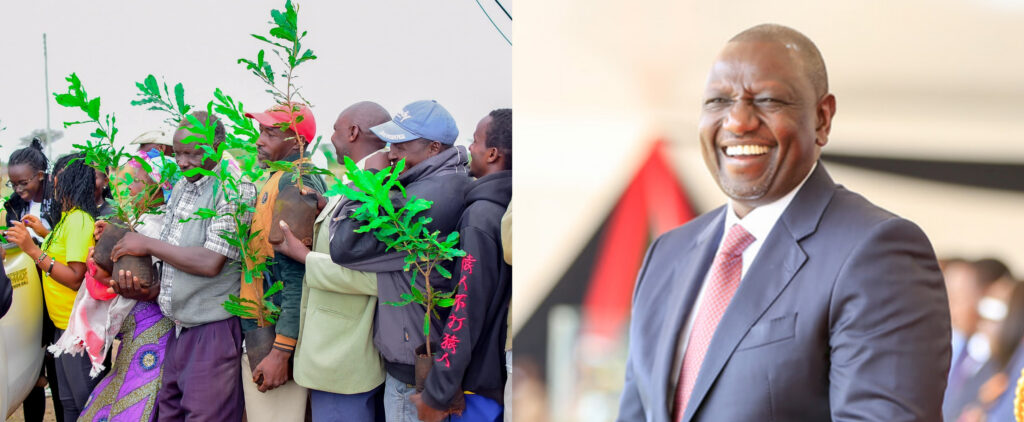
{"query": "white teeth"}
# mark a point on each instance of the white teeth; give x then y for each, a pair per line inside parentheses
(736, 150)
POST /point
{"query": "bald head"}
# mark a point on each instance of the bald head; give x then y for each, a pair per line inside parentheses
(798, 44)
(352, 136)
(365, 114)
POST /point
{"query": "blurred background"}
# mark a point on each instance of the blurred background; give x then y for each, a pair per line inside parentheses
(930, 99)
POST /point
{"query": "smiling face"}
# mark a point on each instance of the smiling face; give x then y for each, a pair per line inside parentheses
(25, 180)
(762, 125)
(190, 155)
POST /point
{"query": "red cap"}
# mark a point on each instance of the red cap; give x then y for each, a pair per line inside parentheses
(282, 113)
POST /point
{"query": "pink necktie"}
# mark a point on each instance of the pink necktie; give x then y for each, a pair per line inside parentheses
(725, 278)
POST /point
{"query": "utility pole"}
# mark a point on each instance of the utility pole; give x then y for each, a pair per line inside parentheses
(46, 84)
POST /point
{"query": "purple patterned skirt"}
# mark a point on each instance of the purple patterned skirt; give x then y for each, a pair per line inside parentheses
(128, 392)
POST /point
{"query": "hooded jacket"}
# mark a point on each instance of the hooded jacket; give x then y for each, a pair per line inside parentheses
(472, 355)
(441, 179)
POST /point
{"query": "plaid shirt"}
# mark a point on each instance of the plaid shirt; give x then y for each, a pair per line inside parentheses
(185, 208)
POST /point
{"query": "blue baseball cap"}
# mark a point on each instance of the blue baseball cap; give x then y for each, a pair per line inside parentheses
(422, 119)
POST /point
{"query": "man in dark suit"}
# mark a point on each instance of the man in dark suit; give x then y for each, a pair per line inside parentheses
(799, 300)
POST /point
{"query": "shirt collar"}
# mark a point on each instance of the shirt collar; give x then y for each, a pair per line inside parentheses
(361, 165)
(200, 184)
(759, 221)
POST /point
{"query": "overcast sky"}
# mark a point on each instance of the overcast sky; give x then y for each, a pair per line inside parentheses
(389, 51)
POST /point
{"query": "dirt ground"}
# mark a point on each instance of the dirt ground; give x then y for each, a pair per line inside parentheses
(18, 416)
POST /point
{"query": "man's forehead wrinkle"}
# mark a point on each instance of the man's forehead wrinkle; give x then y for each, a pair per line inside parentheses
(735, 71)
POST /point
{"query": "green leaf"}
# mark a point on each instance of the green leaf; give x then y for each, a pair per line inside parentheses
(152, 86)
(397, 304)
(67, 100)
(279, 18)
(271, 306)
(444, 303)
(444, 273)
(264, 39)
(283, 34)
(198, 170)
(418, 296)
(426, 326)
(179, 99)
(276, 287)
(286, 166)
(272, 317)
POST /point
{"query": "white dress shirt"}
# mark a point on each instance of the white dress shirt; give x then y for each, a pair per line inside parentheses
(758, 222)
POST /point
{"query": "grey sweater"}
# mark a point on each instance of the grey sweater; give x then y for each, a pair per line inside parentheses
(197, 300)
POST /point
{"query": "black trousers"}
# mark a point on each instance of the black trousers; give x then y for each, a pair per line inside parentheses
(34, 406)
(75, 383)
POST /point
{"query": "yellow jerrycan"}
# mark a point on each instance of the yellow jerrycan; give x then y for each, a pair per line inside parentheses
(21, 351)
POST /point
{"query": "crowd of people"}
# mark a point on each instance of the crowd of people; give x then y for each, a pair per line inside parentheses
(339, 351)
(986, 307)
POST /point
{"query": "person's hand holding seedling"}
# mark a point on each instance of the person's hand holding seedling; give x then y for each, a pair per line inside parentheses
(291, 246)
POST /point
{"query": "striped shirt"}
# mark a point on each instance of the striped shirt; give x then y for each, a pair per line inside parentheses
(184, 208)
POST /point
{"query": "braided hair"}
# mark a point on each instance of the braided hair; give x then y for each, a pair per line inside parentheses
(33, 157)
(70, 191)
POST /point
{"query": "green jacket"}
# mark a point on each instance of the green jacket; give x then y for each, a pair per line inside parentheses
(335, 351)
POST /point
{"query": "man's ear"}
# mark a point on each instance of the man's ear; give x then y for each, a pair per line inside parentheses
(826, 110)
(435, 147)
(493, 154)
(353, 133)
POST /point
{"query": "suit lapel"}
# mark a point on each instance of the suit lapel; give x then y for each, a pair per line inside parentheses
(774, 267)
(332, 201)
(688, 274)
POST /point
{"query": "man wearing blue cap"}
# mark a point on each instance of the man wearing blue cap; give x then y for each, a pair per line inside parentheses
(423, 133)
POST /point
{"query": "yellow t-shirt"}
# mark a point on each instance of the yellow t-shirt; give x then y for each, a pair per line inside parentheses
(68, 242)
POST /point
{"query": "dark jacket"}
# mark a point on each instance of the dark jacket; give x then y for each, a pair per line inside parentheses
(6, 292)
(17, 208)
(472, 355)
(441, 179)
